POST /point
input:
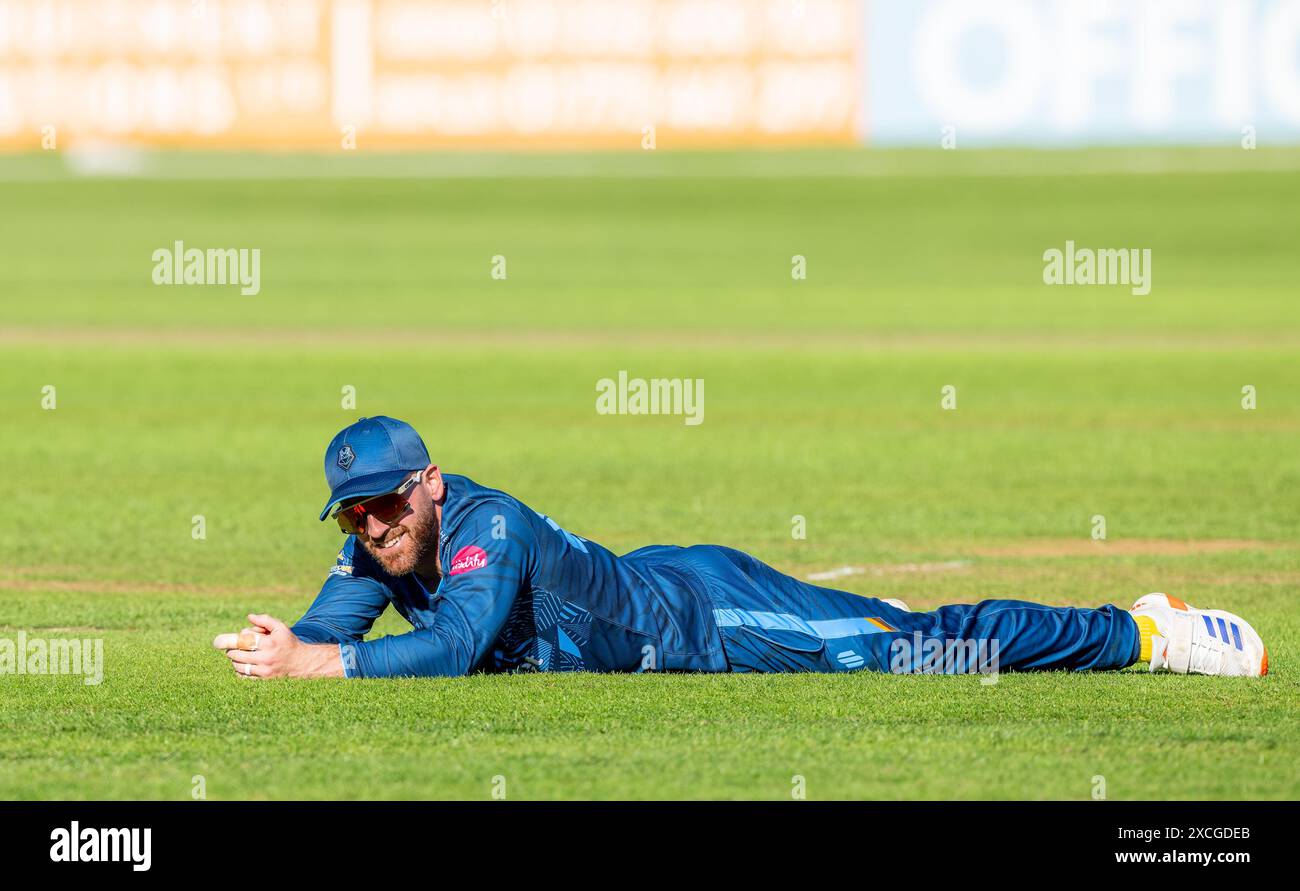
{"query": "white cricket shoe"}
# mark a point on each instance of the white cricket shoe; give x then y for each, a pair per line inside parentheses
(1187, 640)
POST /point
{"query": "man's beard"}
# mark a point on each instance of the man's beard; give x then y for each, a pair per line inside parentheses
(421, 536)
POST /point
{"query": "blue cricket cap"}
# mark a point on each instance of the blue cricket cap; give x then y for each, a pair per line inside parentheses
(371, 457)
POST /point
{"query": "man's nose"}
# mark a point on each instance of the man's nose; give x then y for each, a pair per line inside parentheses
(374, 528)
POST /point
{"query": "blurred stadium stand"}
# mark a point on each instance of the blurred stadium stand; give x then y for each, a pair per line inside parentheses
(584, 74)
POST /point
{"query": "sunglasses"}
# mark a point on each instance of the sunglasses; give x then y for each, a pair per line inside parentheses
(387, 508)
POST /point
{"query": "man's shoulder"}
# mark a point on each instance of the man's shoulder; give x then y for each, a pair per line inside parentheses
(470, 506)
(482, 525)
(464, 493)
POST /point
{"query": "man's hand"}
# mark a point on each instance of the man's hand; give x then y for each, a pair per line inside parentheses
(277, 653)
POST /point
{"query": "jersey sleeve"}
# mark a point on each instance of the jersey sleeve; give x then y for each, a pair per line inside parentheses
(347, 605)
(492, 555)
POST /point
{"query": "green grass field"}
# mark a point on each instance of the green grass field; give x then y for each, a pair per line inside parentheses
(822, 401)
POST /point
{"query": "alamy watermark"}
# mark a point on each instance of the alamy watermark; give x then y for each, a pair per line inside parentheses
(918, 654)
(180, 265)
(1104, 266)
(89, 844)
(38, 655)
(656, 396)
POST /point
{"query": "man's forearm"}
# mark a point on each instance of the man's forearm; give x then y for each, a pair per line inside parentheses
(318, 661)
(422, 653)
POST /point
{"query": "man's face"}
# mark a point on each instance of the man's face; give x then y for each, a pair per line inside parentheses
(401, 547)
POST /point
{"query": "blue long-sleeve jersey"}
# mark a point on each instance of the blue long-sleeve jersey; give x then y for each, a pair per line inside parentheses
(517, 592)
(520, 593)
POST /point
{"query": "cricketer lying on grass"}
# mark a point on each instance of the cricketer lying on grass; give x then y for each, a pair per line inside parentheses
(488, 584)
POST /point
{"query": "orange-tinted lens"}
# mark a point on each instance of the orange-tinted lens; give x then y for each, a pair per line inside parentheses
(387, 509)
(349, 518)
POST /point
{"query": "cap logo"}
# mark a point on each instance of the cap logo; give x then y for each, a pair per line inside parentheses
(346, 457)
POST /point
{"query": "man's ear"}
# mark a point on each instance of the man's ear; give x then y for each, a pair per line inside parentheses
(431, 477)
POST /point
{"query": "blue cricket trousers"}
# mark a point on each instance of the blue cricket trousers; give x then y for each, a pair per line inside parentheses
(771, 622)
